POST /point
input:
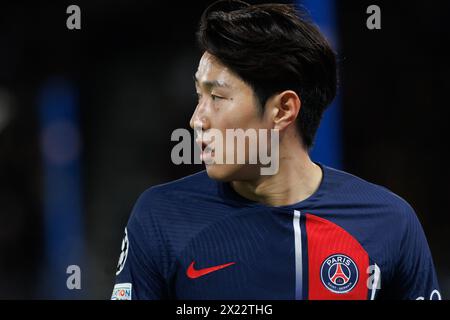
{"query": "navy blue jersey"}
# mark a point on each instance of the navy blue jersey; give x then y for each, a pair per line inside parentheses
(196, 238)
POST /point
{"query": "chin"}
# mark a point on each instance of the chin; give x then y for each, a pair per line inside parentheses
(219, 172)
(229, 172)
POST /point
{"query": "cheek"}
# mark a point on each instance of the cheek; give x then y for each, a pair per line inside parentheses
(241, 115)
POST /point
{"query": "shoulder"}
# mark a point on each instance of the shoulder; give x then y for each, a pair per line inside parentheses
(177, 199)
(189, 186)
(359, 191)
(170, 214)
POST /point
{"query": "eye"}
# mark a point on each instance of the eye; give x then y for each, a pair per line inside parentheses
(214, 97)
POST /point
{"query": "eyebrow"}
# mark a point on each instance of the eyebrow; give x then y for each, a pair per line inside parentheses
(212, 84)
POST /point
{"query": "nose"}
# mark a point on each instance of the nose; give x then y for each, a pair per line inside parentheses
(199, 119)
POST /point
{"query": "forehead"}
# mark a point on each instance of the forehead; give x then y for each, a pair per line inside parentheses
(211, 69)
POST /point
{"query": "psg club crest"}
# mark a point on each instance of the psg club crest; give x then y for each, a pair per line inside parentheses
(339, 273)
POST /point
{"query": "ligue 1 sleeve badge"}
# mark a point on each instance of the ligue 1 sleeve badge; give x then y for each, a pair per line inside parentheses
(339, 273)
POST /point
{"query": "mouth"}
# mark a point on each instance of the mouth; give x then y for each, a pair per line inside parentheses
(207, 153)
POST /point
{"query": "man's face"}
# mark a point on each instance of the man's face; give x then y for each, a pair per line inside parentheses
(225, 102)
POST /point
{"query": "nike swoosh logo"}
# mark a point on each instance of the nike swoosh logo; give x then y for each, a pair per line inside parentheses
(192, 273)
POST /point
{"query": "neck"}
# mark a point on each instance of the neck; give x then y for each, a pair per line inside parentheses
(297, 179)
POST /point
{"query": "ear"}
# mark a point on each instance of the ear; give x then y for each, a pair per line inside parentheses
(286, 108)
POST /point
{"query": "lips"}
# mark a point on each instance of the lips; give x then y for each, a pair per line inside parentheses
(207, 154)
(207, 151)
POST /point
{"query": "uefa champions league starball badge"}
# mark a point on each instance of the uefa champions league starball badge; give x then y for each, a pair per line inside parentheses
(123, 253)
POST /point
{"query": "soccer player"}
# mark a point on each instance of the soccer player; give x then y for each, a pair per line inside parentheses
(307, 232)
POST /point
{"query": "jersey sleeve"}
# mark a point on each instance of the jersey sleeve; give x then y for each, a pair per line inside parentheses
(139, 273)
(415, 276)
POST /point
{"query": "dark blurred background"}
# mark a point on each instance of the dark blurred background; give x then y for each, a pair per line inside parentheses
(86, 117)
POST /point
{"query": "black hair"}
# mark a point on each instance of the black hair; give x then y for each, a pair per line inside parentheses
(273, 47)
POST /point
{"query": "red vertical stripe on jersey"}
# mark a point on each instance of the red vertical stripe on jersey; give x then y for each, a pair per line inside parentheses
(325, 239)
